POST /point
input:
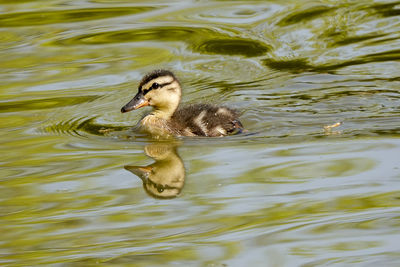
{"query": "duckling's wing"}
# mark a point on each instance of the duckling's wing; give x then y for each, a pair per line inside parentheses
(206, 120)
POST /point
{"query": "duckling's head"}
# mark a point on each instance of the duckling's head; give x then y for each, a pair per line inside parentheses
(159, 89)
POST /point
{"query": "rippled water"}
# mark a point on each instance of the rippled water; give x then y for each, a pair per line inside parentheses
(288, 192)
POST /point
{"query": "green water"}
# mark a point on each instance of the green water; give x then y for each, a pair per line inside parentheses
(286, 193)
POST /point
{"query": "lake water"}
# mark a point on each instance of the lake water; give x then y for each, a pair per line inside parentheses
(288, 192)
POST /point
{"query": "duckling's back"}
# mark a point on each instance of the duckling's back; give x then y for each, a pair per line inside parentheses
(205, 120)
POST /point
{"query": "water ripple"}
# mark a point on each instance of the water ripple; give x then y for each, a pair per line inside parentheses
(83, 126)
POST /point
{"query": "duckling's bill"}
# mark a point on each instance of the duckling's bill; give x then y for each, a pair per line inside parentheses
(141, 171)
(137, 102)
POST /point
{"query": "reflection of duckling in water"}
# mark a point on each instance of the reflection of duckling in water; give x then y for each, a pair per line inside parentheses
(162, 90)
(165, 177)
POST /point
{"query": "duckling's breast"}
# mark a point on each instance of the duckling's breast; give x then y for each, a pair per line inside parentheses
(156, 126)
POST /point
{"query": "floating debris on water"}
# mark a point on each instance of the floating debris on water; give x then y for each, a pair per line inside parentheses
(329, 127)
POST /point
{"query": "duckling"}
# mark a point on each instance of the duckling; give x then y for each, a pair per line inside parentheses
(162, 90)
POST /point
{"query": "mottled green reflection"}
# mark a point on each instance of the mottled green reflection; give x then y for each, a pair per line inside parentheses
(138, 35)
(204, 40)
(23, 105)
(234, 47)
(304, 15)
(302, 65)
(30, 18)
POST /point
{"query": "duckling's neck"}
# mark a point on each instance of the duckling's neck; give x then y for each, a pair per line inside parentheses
(165, 112)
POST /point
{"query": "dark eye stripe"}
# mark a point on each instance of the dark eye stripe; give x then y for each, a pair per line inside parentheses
(159, 86)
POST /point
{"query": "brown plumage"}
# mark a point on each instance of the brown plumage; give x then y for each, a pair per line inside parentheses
(162, 90)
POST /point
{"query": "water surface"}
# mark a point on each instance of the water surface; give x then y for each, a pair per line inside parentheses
(288, 192)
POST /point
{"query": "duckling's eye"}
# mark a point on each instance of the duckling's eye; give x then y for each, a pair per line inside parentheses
(155, 86)
(160, 188)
